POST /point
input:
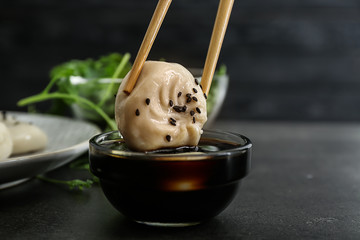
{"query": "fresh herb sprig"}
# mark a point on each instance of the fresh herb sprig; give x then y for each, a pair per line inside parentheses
(72, 184)
(111, 66)
(65, 96)
(81, 163)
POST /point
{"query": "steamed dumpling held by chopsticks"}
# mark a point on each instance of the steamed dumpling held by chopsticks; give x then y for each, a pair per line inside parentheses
(166, 108)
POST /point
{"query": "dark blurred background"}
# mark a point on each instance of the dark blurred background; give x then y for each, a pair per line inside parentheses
(287, 59)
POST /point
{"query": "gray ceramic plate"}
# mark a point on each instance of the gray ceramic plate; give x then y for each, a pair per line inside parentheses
(67, 139)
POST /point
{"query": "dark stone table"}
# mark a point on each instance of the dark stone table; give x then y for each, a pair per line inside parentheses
(304, 184)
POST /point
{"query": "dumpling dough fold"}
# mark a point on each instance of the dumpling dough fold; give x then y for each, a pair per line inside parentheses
(166, 109)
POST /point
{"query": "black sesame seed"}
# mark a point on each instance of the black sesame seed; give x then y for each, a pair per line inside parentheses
(137, 112)
(179, 94)
(177, 108)
(194, 89)
(168, 138)
(195, 99)
(188, 95)
(114, 95)
(172, 121)
(188, 99)
(205, 96)
(196, 81)
(180, 108)
(147, 101)
(171, 103)
(194, 120)
(198, 110)
(200, 86)
(192, 113)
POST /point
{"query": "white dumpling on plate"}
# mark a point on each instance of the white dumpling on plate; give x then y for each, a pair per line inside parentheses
(6, 143)
(25, 137)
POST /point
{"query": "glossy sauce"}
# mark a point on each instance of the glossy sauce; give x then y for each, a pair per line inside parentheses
(171, 191)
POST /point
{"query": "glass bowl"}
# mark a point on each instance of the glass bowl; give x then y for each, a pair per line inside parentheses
(95, 89)
(171, 187)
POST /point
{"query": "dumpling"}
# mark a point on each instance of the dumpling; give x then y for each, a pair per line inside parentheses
(6, 143)
(166, 109)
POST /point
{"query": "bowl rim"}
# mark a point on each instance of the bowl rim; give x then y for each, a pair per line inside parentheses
(148, 156)
(78, 80)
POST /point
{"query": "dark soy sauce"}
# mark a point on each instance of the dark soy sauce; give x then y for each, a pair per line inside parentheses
(170, 191)
(205, 145)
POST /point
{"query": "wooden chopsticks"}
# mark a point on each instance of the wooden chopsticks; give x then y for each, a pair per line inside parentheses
(147, 43)
(217, 37)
